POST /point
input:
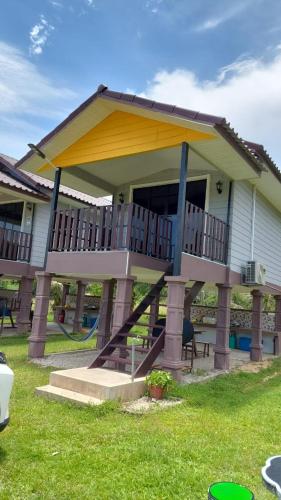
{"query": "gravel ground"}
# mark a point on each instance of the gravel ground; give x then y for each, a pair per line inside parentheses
(146, 404)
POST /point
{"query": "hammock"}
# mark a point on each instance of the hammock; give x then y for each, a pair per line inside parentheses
(86, 337)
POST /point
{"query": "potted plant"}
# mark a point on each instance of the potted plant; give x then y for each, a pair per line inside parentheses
(157, 383)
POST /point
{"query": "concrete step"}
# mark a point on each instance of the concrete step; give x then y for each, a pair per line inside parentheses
(51, 392)
(99, 383)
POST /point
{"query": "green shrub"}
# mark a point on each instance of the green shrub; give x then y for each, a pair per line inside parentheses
(159, 378)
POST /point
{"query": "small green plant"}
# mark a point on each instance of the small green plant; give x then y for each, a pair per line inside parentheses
(159, 378)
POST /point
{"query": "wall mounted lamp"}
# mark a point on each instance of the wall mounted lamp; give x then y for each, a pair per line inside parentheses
(219, 185)
(121, 198)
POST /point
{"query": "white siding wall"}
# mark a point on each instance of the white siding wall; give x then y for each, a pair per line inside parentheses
(267, 236)
(218, 202)
(267, 242)
(240, 225)
(40, 232)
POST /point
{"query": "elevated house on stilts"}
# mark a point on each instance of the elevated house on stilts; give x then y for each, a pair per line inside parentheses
(192, 204)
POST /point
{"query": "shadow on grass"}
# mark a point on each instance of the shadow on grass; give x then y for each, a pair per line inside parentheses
(232, 391)
(3, 455)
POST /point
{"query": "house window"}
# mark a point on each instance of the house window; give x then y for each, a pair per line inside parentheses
(163, 200)
(11, 216)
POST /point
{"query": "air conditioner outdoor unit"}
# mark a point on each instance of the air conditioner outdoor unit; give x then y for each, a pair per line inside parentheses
(253, 273)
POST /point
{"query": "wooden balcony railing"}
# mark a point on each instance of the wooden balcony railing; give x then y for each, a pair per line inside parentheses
(112, 227)
(205, 235)
(132, 227)
(15, 245)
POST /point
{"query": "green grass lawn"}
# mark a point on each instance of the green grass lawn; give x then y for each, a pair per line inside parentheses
(224, 430)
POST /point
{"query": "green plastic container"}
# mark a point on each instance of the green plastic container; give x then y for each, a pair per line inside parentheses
(229, 491)
(232, 341)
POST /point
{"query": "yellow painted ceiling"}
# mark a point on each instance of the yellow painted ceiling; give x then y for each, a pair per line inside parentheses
(124, 134)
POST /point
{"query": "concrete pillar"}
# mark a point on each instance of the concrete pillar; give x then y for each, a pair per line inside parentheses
(187, 305)
(25, 297)
(65, 292)
(256, 346)
(221, 349)
(123, 301)
(153, 313)
(77, 322)
(105, 313)
(38, 335)
(278, 325)
(172, 360)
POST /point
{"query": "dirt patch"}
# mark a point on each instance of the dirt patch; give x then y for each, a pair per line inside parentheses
(146, 404)
(255, 367)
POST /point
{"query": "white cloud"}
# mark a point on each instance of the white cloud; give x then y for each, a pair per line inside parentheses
(39, 35)
(215, 21)
(27, 98)
(247, 92)
(153, 5)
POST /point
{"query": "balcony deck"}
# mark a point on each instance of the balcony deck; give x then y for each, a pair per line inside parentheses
(15, 245)
(115, 237)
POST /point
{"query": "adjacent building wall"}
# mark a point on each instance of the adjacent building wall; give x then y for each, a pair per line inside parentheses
(267, 241)
(40, 233)
(218, 203)
(240, 225)
(267, 232)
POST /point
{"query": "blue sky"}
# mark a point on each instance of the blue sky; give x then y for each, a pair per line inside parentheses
(220, 56)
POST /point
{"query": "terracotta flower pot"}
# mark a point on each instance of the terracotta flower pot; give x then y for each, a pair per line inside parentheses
(156, 392)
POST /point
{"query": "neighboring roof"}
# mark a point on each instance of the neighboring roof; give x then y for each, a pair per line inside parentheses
(219, 123)
(66, 191)
(262, 154)
(35, 185)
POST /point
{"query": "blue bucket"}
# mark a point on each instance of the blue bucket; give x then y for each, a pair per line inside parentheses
(92, 321)
(245, 343)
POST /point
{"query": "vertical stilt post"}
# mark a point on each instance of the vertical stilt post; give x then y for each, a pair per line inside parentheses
(77, 322)
(123, 301)
(172, 360)
(25, 297)
(181, 210)
(221, 349)
(38, 335)
(153, 314)
(256, 346)
(105, 313)
(53, 207)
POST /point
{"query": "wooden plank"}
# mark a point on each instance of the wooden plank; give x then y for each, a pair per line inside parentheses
(80, 238)
(130, 212)
(56, 230)
(93, 228)
(145, 230)
(107, 231)
(114, 228)
(101, 211)
(68, 230)
(74, 229)
(62, 231)
(121, 226)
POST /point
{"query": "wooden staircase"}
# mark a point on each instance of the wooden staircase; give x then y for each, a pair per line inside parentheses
(117, 351)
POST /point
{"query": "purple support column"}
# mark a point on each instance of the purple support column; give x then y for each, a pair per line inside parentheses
(256, 346)
(25, 297)
(123, 301)
(221, 349)
(187, 306)
(278, 325)
(172, 360)
(105, 314)
(153, 313)
(38, 335)
(65, 292)
(77, 322)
